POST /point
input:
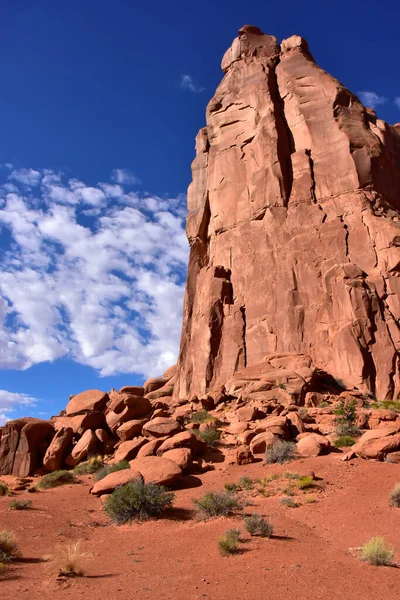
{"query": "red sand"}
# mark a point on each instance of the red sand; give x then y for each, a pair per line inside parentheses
(312, 556)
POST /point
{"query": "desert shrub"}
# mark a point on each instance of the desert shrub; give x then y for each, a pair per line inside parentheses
(231, 487)
(324, 404)
(344, 441)
(94, 464)
(4, 489)
(107, 469)
(395, 496)
(290, 475)
(8, 546)
(345, 418)
(55, 479)
(280, 452)
(215, 504)
(229, 543)
(257, 525)
(387, 405)
(305, 482)
(210, 436)
(377, 551)
(201, 416)
(69, 560)
(20, 505)
(137, 501)
(288, 491)
(289, 502)
(246, 483)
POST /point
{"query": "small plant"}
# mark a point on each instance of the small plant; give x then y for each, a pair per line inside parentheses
(310, 500)
(246, 483)
(202, 416)
(229, 543)
(8, 546)
(387, 405)
(257, 525)
(344, 441)
(290, 475)
(324, 404)
(94, 464)
(20, 505)
(288, 491)
(231, 487)
(52, 480)
(345, 420)
(210, 435)
(280, 452)
(69, 560)
(377, 551)
(215, 504)
(395, 496)
(4, 489)
(289, 502)
(107, 469)
(302, 412)
(305, 482)
(137, 500)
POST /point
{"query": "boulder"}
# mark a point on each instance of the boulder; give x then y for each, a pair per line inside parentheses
(84, 448)
(377, 443)
(130, 429)
(80, 423)
(262, 441)
(244, 455)
(106, 441)
(132, 390)
(128, 450)
(180, 456)
(276, 425)
(157, 469)
(59, 448)
(23, 446)
(160, 427)
(91, 400)
(296, 424)
(138, 405)
(184, 439)
(153, 384)
(312, 444)
(110, 482)
(151, 447)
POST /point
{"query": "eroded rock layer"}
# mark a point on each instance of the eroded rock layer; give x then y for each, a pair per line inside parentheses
(293, 223)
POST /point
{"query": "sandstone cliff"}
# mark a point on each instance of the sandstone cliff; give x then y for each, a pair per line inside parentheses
(293, 224)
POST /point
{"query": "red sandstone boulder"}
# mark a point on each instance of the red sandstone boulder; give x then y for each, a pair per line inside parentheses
(150, 449)
(132, 390)
(119, 402)
(153, 384)
(180, 456)
(312, 444)
(185, 439)
(85, 447)
(91, 400)
(262, 441)
(128, 450)
(157, 469)
(244, 455)
(59, 448)
(23, 445)
(111, 481)
(160, 427)
(80, 423)
(376, 443)
(130, 429)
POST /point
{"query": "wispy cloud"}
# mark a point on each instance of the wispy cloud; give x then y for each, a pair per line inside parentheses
(188, 83)
(124, 177)
(93, 273)
(371, 99)
(397, 101)
(10, 400)
(26, 177)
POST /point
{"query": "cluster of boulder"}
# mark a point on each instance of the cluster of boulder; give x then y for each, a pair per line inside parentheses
(265, 404)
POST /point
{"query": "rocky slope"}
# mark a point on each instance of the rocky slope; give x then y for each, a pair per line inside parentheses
(293, 225)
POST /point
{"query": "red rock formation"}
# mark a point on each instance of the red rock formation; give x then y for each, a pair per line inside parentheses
(293, 225)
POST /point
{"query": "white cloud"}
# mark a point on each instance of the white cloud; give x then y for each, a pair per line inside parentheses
(397, 101)
(108, 294)
(187, 83)
(26, 177)
(10, 400)
(125, 177)
(372, 99)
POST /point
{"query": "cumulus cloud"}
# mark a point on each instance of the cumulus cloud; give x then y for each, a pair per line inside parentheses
(124, 177)
(25, 177)
(10, 400)
(397, 101)
(187, 83)
(95, 274)
(372, 99)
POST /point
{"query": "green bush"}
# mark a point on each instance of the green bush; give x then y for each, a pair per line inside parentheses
(345, 418)
(377, 552)
(231, 487)
(90, 466)
(229, 543)
(256, 525)
(20, 505)
(107, 469)
(210, 436)
(305, 482)
(215, 504)
(344, 441)
(4, 489)
(280, 452)
(202, 416)
(289, 502)
(387, 405)
(395, 496)
(52, 480)
(137, 501)
(246, 483)
(8, 546)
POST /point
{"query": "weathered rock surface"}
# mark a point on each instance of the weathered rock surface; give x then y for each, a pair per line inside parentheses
(128, 450)
(111, 481)
(23, 445)
(293, 224)
(87, 401)
(378, 442)
(157, 469)
(160, 427)
(59, 447)
(86, 446)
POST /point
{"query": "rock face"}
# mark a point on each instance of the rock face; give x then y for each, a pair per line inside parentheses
(293, 224)
(23, 446)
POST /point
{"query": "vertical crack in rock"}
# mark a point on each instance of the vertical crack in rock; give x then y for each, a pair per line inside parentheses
(243, 311)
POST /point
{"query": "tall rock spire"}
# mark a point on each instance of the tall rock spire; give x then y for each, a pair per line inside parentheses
(293, 223)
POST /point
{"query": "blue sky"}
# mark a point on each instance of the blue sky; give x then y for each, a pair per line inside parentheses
(99, 108)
